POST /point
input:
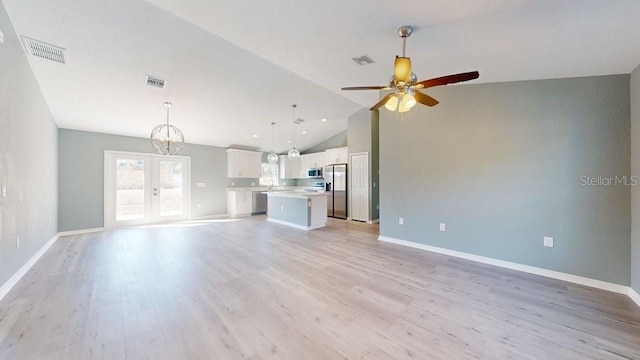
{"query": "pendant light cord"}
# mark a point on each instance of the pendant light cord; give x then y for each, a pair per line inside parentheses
(294, 124)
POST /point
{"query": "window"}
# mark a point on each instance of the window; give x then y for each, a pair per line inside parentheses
(269, 174)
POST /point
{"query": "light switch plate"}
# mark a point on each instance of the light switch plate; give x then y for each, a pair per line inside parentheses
(200, 184)
(443, 227)
(548, 241)
(401, 221)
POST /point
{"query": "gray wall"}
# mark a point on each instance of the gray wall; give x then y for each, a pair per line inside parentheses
(336, 141)
(28, 158)
(635, 170)
(359, 131)
(501, 165)
(363, 136)
(81, 176)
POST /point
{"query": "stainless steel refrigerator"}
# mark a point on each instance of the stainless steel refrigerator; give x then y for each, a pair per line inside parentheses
(335, 180)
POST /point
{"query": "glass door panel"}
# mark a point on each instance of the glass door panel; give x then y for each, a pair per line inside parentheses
(129, 189)
(171, 191)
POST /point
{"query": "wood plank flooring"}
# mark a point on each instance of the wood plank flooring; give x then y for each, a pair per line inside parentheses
(251, 289)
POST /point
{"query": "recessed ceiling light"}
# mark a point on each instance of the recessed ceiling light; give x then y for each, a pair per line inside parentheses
(288, 141)
(324, 120)
(255, 135)
(304, 132)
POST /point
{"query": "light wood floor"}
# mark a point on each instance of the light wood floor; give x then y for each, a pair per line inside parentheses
(251, 289)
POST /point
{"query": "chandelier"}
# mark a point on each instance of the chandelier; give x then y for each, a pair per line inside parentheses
(167, 139)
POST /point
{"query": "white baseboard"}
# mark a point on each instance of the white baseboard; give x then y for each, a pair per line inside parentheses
(599, 284)
(634, 296)
(13, 280)
(209, 217)
(81, 231)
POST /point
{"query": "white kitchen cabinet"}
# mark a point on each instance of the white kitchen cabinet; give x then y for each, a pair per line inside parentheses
(338, 155)
(316, 160)
(289, 168)
(244, 164)
(239, 203)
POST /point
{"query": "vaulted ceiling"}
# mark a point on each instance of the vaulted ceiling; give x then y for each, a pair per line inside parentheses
(233, 67)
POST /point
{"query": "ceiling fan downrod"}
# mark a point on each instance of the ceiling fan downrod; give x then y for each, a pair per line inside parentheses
(404, 32)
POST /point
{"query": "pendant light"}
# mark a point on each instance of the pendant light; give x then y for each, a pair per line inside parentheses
(293, 152)
(167, 139)
(272, 158)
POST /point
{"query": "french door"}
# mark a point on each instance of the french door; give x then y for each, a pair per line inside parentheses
(144, 188)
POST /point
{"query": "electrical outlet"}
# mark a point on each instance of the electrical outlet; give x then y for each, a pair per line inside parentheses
(401, 221)
(4, 191)
(548, 241)
(18, 242)
(281, 207)
(443, 227)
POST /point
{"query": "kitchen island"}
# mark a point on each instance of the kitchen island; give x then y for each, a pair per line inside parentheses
(302, 210)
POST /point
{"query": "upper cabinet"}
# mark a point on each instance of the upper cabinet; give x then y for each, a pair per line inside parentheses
(312, 161)
(338, 155)
(243, 163)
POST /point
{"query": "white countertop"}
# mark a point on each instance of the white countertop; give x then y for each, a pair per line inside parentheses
(263, 188)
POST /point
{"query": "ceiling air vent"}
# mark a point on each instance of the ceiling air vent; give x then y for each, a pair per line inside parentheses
(363, 60)
(299, 121)
(44, 50)
(155, 82)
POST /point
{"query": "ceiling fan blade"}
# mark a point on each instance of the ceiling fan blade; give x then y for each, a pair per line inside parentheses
(402, 69)
(425, 99)
(449, 79)
(366, 88)
(382, 102)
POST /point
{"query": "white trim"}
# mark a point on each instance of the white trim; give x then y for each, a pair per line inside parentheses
(218, 216)
(621, 289)
(81, 231)
(634, 296)
(297, 226)
(13, 280)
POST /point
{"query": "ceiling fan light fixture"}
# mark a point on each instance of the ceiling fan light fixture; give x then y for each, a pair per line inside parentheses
(402, 69)
(408, 101)
(392, 103)
(403, 81)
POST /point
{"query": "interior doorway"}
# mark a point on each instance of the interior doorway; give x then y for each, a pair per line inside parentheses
(145, 188)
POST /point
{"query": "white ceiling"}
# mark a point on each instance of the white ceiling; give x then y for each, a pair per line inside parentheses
(232, 67)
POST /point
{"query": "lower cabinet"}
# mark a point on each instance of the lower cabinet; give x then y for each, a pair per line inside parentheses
(239, 203)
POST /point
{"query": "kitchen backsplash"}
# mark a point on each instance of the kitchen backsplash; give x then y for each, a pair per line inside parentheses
(242, 182)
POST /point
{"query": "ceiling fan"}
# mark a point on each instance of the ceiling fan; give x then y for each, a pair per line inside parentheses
(404, 83)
